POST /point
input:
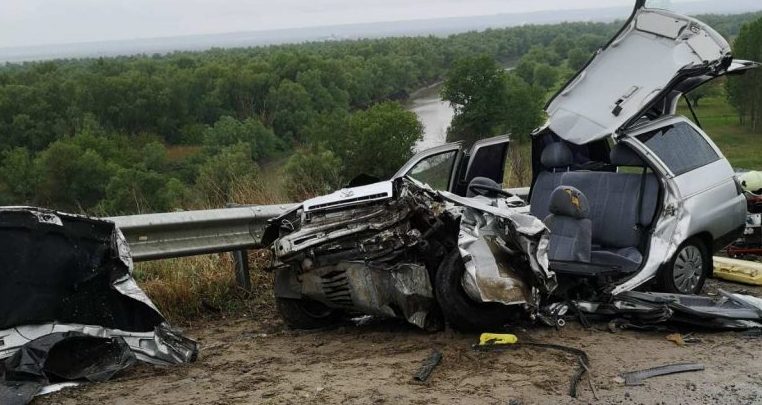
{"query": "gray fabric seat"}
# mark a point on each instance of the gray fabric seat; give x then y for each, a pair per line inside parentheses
(619, 213)
(556, 159)
(570, 227)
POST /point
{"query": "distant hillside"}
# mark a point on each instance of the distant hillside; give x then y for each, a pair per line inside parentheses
(438, 27)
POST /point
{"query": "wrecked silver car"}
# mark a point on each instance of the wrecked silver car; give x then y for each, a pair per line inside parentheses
(398, 249)
(625, 194)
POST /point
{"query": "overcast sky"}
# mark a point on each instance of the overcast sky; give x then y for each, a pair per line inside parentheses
(35, 22)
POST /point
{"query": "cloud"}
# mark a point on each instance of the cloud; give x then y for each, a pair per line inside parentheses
(30, 22)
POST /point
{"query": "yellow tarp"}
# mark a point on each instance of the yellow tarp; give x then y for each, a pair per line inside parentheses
(741, 271)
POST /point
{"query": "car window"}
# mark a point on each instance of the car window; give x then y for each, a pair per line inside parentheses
(435, 170)
(680, 147)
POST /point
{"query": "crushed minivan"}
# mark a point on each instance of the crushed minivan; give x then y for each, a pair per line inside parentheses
(625, 193)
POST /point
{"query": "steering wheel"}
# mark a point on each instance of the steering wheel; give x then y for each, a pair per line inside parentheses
(483, 189)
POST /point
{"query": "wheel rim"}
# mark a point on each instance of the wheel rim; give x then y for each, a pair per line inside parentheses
(688, 268)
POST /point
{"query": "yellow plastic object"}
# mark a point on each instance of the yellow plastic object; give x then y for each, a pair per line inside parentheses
(497, 339)
(740, 271)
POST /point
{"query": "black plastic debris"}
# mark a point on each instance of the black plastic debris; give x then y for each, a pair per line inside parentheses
(69, 307)
(58, 357)
(637, 377)
(428, 366)
(583, 361)
(68, 269)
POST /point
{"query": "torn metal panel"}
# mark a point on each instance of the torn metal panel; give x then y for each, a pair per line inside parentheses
(727, 311)
(504, 252)
(402, 290)
(70, 273)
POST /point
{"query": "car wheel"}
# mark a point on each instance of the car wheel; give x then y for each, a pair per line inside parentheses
(687, 271)
(458, 309)
(306, 314)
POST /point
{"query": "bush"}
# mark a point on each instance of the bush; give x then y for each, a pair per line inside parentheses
(312, 172)
(222, 173)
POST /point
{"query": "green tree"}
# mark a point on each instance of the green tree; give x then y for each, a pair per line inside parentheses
(545, 76)
(577, 58)
(71, 178)
(223, 173)
(374, 142)
(745, 92)
(133, 190)
(228, 131)
(379, 140)
(489, 101)
(312, 172)
(18, 180)
(477, 90)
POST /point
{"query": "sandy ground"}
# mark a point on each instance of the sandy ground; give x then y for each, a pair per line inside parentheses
(259, 361)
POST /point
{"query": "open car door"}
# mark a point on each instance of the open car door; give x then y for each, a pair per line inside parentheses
(449, 168)
(485, 159)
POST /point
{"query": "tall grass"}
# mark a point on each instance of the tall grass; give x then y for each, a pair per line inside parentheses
(518, 167)
(191, 288)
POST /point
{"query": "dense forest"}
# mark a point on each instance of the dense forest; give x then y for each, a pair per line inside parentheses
(160, 132)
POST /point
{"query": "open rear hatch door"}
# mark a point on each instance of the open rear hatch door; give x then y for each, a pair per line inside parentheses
(655, 53)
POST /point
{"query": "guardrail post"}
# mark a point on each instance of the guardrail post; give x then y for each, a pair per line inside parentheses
(241, 261)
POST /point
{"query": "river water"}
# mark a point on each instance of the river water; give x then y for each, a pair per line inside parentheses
(434, 113)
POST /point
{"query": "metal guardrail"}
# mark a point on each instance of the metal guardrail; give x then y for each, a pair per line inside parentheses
(187, 233)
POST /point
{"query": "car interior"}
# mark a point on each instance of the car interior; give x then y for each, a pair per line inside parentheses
(599, 219)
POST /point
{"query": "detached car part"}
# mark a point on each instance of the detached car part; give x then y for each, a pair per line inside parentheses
(70, 275)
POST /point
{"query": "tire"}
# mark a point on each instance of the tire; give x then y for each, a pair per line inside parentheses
(458, 309)
(686, 272)
(306, 314)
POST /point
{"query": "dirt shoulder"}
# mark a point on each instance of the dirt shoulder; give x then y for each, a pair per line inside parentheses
(257, 360)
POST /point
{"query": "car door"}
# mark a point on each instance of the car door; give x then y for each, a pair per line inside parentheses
(434, 166)
(486, 158)
(448, 168)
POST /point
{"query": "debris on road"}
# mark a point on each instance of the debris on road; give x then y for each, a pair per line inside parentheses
(740, 271)
(676, 338)
(69, 281)
(650, 310)
(428, 366)
(69, 356)
(583, 362)
(637, 377)
(497, 339)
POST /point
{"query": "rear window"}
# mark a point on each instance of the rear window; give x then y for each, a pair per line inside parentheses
(680, 147)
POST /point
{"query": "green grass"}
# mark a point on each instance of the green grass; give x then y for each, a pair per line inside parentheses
(739, 144)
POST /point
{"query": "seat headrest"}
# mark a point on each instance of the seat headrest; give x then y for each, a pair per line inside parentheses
(623, 155)
(569, 202)
(556, 155)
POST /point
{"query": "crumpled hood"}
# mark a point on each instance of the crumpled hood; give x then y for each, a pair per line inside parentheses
(352, 195)
(654, 52)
